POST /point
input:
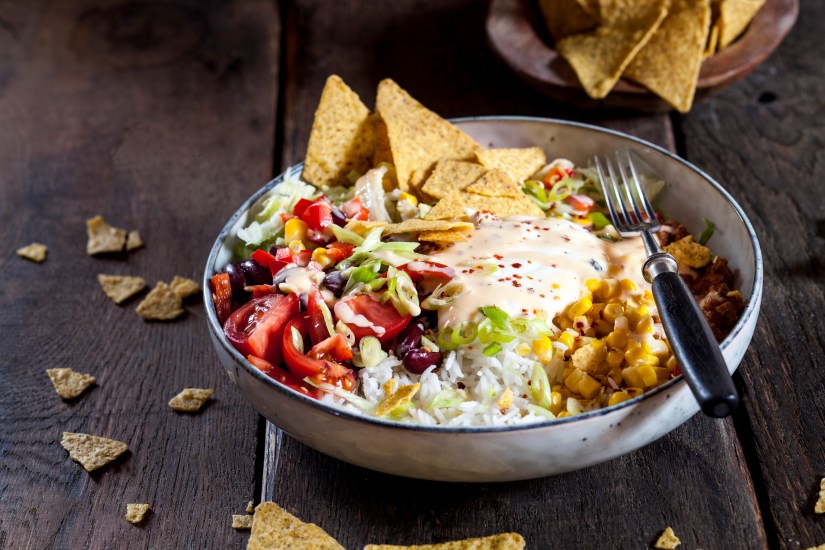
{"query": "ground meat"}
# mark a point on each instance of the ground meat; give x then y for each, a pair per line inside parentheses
(712, 286)
(671, 232)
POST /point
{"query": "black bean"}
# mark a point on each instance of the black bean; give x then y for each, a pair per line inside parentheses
(335, 283)
(256, 274)
(409, 340)
(237, 281)
(338, 218)
(418, 360)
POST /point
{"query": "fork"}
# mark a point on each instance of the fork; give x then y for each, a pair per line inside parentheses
(688, 333)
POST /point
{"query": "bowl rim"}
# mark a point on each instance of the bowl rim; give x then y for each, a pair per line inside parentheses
(214, 326)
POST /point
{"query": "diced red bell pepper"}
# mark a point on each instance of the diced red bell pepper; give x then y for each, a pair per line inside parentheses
(317, 216)
(354, 210)
(581, 203)
(339, 251)
(301, 206)
(222, 296)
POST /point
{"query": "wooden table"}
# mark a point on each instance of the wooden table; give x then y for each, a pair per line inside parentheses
(164, 116)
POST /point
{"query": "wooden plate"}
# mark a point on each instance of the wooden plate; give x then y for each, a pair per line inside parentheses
(515, 29)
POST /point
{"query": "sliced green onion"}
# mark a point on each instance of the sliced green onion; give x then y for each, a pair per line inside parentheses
(535, 189)
(356, 400)
(707, 233)
(561, 190)
(540, 411)
(599, 220)
(444, 341)
(376, 284)
(347, 236)
(428, 344)
(540, 387)
(443, 295)
(540, 327)
(297, 340)
(371, 352)
(464, 333)
(363, 274)
(401, 293)
(352, 176)
(372, 240)
(447, 398)
(492, 349)
(327, 315)
(397, 246)
(496, 315)
(342, 329)
(519, 325)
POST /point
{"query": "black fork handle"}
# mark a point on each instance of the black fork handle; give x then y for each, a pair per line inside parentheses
(694, 345)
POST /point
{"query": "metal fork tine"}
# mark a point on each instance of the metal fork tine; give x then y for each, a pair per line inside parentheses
(608, 190)
(625, 215)
(628, 191)
(651, 214)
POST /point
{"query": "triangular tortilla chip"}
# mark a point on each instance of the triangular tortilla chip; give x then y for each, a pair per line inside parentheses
(667, 540)
(69, 384)
(566, 17)
(342, 137)
(451, 175)
(456, 206)
(120, 287)
(184, 287)
(600, 57)
(713, 41)
(496, 183)
(35, 252)
(417, 225)
(734, 18)
(103, 238)
(90, 451)
(443, 237)
(190, 399)
(679, 45)
(133, 240)
(504, 541)
(274, 527)
(161, 304)
(519, 163)
(418, 137)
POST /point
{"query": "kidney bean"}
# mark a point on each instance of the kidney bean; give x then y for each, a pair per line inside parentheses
(255, 273)
(419, 360)
(409, 340)
(335, 283)
(237, 281)
(338, 218)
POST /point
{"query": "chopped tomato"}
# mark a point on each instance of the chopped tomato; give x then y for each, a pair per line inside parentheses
(340, 251)
(301, 206)
(556, 174)
(303, 258)
(221, 296)
(354, 210)
(264, 258)
(318, 331)
(280, 375)
(283, 257)
(384, 320)
(334, 347)
(303, 366)
(256, 327)
(286, 217)
(428, 275)
(581, 203)
(317, 216)
(261, 290)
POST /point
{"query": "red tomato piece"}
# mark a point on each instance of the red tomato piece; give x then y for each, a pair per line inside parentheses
(221, 296)
(340, 251)
(303, 366)
(303, 258)
(301, 206)
(354, 210)
(264, 258)
(581, 203)
(335, 347)
(383, 316)
(428, 275)
(280, 375)
(256, 328)
(317, 216)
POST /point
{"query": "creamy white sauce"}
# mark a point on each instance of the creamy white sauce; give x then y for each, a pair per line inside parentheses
(345, 314)
(543, 265)
(298, 280)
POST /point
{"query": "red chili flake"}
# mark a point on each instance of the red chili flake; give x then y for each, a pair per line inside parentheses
(501, 266)
(479, 267)
(516, 265)
(542, 295)
(524, 396)
(554, 266)
(529, 382)
(566, 238)
(516, 284)
(497, 257)
(523, 310)
(516, 276)
(460, 385)
(529, 261)
(529, 277)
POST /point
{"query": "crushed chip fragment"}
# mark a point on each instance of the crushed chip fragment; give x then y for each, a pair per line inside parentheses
(133, 240)
(103, 238)
(667, 540)
(820, 503)
(503, 541)
(161, 304)
(90, 451)
(184, 287)
(688, 252)
(35, 252)
(69, 384)
(416, 225)
(136, 513)
(443, 237)
(190, 399)
(520, 164)
(242, 521)
(274, 527)
(250, 507)
(399, 397)
(120, 288)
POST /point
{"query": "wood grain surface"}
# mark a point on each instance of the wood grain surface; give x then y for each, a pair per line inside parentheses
(160, 117)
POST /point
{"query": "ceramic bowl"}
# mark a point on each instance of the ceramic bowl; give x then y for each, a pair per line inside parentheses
(479, 454)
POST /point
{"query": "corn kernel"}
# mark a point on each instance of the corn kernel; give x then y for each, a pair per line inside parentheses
(581, 323)
(628, 285)
(323, 258)
(616, 339)
(615, 358)
(632, 377)
(648, 375)
(589, 387)
(662, 373)
(523, 348)
(593, 285)
(647, 298)
(563, 414)
(567, 339)
(581, 307)
(603, 328)
(573, 380)
(295, 230)
(613, 311)
(611, 289)
(618, 397)
(296, 246)
(671, 363)
(645, 325)
(556, 402)
(408, 197)
(543, 348)
(635, 356)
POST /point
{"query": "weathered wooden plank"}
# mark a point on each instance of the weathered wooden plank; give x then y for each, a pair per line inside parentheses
(694, 479)
(160, 116)
(763, 139)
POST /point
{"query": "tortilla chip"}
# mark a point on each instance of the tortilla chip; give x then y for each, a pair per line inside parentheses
(135, 513)
(457, 205)
(35, 252)
(496, 183)
(363, 227)
(242, 521)
(383, 153)
(250, 507)
(669, 64)
(184, 287)
(274, 527)
(342, 138)
(504, 541)
(418, 137)
(443, 237)
(451, 175)
(566, 17)
(69, 384)
(103, 238)
(713, 41)
(161, 304)
(120, 287)
(416, 225)
(90, 451)
(668, 540)
(819, 508)
(600, 57)
(133, 240)
(519, 163)
(401, 396)
(190, 399)
(734, 18)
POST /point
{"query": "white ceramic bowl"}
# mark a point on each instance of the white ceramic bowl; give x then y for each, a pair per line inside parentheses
(534, 450)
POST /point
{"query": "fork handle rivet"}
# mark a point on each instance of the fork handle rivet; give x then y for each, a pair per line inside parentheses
(657, 263)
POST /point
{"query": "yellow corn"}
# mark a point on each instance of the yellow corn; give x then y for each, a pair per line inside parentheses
(632, 377)
(589, 387)
(567, 339)
(603, 328)
(295, 230)
(556, 402)
(615, 358)
(322, 257)
(645, 325)
(611, 289)
(628, 285)
(618, 397)
(581, 307)
(543, 348)
(612, 311)
(574, 379)
(662, 373)
(671, 363)
(616, 339)
(296, 246)
(593, 285)
(647, 298)
(648, 375)
(635, 355)
(408, 197)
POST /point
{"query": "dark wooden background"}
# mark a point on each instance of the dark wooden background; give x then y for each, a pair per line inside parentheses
(164, 116)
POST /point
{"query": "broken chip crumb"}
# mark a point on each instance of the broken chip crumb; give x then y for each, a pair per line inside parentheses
(190, 399)
(274, 527)
(242, 521)
(184, 287)
(667, 540)
(401, 396)
(503, 541)
(119, 288)
(250, 508)
(505, 401)
(820, 547)
(133, 240)
(69, 384)
(90, 451)
(135, 513)
(161, 304)
(103, 238)
(35, 252)
(820, 504)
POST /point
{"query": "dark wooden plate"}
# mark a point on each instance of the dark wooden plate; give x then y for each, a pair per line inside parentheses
(515, 29)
